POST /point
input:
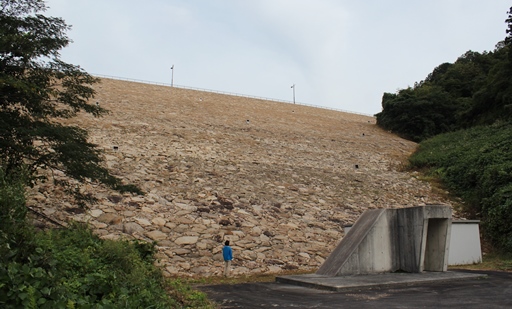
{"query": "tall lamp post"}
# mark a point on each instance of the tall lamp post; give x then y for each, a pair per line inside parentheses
(172, 75)
(293, 86)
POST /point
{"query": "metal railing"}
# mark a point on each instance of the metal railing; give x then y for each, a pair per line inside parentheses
(226, 93)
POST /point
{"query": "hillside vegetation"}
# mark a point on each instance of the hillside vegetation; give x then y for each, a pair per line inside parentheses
(72, 268)
(466, 110)
(476, 164)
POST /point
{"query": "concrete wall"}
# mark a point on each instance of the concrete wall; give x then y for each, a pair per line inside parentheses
(423, 233)
(377, 253)
(349, 256)
(464, 245)
(437, 245)
(386, 240)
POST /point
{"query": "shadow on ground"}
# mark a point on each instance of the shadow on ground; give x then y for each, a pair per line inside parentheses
(494, 291)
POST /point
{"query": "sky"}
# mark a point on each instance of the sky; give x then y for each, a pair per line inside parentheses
(341, 54)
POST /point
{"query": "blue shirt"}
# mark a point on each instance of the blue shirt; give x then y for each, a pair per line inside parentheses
(227, 253)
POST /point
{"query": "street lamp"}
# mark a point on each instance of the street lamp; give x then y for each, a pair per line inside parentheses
(293, 86)
(172, 76)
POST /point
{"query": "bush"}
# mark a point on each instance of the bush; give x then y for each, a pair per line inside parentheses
(14, 232)
(72, 268)
(476, 164)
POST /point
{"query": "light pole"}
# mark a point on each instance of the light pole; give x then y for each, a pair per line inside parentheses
(172, 75)
(293, 86)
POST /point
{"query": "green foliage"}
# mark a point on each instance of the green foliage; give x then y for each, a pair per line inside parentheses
(476, 164)
(418, 113)
(447, 100)
(72, 268)
(186, 295)
(508, 39)
(493, 101)
(475, 90)
(14, 231)
(37, 90)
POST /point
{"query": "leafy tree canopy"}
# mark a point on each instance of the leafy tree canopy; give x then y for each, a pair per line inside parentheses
(37, 90)
(508, 39)
(475, 90)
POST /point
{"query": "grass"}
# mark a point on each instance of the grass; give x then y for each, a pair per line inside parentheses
(255, 278)
(491, 261)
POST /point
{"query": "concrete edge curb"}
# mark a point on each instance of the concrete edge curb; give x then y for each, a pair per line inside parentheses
(337, 284)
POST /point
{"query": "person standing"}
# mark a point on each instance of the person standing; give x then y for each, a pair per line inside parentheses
(227, 253)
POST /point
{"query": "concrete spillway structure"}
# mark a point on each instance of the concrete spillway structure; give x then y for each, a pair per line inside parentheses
(414, 240)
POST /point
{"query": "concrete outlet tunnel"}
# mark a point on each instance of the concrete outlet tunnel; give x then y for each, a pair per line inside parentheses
(414, 240)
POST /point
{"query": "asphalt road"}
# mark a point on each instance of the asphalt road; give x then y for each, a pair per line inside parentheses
(495, 291)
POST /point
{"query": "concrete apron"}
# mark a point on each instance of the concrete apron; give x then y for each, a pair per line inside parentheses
(342, 283)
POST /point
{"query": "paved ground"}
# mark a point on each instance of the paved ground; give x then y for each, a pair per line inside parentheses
(344, 283)
(495, 291)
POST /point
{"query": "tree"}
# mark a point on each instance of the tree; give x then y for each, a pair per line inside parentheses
(494, 101)
(37, 90)
(419, 113)
(508, 39)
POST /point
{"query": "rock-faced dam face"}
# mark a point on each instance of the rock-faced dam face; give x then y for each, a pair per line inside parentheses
(414, 239)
